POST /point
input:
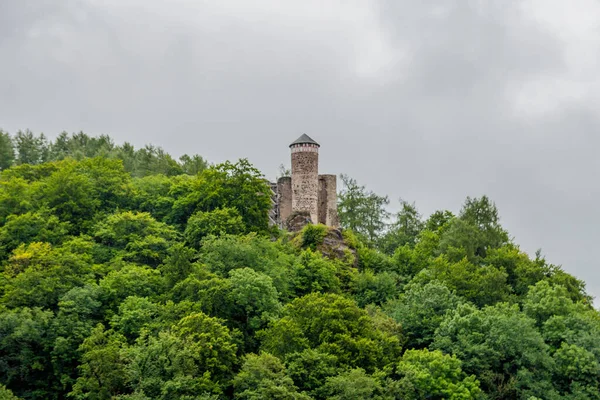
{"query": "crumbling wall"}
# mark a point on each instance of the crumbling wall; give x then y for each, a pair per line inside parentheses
(284, 197)
(274, 212)
(328, 200)
(322, 200)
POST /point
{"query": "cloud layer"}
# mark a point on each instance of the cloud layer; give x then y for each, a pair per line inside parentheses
(428, 100)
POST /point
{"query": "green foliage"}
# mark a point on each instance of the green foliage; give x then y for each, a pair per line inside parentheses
(361, 211)
(404, 230)
(39, 226)
(482, 285)
(102, 373)
(576, 372)
(136, 237)
(225, 253)
(501, 346)
(130, 280)
(7, 394)
(153, 194)
(425, 373)
(192, 165)
(24, 338)
(371, 288)
(421, 309)
(228, 185)
(125, 274)
(476, 231)
(314, 273)
(310, 368)
(37, 274)
(31, 149)
(263, 377)
(331, 324)
(215, 222)
(354, 384)
(253, 301)
(312, 235)
(438, 221)
(7, 151)
(371, 259)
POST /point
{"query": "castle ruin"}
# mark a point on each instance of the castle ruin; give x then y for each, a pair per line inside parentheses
(306, 193)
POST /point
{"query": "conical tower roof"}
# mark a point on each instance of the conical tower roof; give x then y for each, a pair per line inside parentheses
(304, 139)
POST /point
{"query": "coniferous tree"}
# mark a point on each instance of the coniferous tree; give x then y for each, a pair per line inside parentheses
(7, 151)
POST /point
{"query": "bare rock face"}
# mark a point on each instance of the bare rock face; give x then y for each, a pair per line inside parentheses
(298, 220)
(335, 247)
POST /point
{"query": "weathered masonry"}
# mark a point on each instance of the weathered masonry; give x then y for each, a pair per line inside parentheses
(305, 193)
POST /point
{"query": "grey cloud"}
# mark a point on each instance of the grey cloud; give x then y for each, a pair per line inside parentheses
(429, 100)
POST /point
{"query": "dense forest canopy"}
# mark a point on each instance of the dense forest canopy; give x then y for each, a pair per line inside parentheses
(126, 274)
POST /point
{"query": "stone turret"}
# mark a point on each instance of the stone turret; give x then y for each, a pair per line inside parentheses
(305, 176)
(306, 196)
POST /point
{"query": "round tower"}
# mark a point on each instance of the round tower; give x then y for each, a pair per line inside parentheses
(305, 176)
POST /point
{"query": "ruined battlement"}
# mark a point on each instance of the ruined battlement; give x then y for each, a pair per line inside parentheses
(306, 192)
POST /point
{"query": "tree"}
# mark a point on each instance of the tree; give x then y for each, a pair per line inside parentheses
(130, 280)
(135, 313)
(152, 194)
(38, 274)
(192, 165)
(79, 310)
(354, 384)
(152, 160)
(102, 373)
(136, 237)
(404, 230)
(216, 222)
(31, 149)
(544, 301)
(373, 288)
(25, 339)
(276, 260)
(438, 220)
(7, 151)
(432, 374)
(576, 372)
(501, 346)
(421, 309)
(476, 231)
(30, 227)
(7, 394)
(228, 185)
(483, 285)
(314, 273)
(310, 368)
(253, 300)
(68, 193)
(331, 324)
(263, 377)
(362, 211)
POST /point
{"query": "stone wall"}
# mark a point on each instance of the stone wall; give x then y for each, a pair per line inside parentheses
(305, 179)
(328, 201)
(284, 197)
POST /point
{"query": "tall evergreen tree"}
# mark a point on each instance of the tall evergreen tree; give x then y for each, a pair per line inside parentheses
(7, 151)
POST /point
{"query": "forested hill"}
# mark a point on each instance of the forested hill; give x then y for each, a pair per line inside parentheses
(128, 275)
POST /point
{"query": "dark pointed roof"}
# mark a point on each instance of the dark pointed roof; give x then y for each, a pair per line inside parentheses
(304, 139)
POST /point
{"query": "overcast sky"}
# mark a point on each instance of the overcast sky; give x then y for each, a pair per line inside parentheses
(426, 100)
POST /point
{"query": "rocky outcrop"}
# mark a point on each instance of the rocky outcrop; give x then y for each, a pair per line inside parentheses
(335, 247)
(297, 220)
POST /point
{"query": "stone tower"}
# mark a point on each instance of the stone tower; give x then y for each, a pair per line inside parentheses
(305, 176)
(305, 191)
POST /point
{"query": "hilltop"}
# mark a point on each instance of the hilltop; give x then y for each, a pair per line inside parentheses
(126, 274)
